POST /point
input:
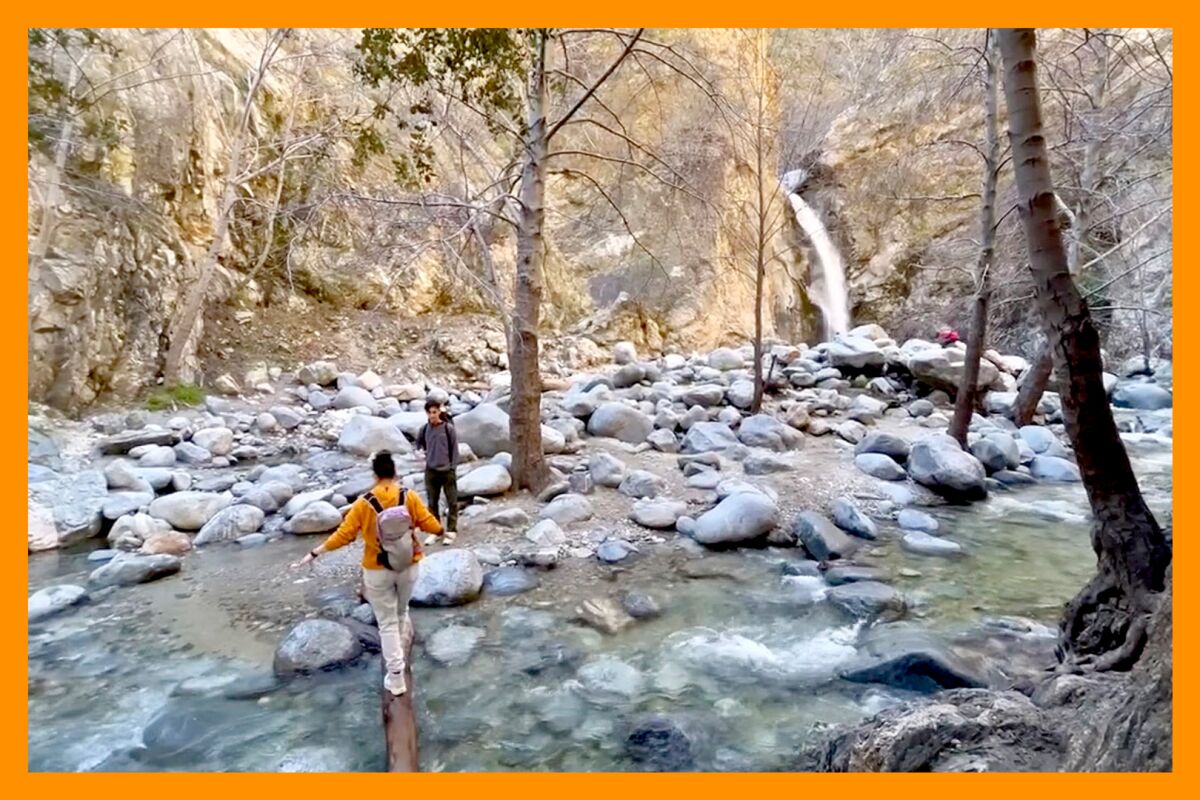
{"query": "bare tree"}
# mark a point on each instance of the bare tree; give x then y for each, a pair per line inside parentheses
(964, 404)
(1104, 627)
(183, 331)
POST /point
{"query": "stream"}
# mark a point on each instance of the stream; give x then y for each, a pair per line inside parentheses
(743, 659)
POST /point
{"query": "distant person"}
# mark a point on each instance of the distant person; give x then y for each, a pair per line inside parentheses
(439, 441)
(385, 516)
(947, 336)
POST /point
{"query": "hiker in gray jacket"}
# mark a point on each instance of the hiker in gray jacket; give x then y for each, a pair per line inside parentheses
(440, 444)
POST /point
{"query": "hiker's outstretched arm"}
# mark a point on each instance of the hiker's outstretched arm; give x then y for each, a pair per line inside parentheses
(348, 531)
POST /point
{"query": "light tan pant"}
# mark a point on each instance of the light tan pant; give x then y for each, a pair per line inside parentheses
(388, 593)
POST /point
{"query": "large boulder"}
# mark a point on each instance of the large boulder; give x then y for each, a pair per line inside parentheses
(868, 600)
(318, 517)
(657, 513)
(821, 538)
(76, 504)
(762, 430)
(1052, 468)
(354, 397)
(322, 373)
(485, 481)
(218, 441)
(911, 661)
(854, 353)
(1142, 396)
(708, 437)
(924, 544)
(189, 511)
(704, 395)
(887, 444)
(448, 578)
(939, 463)
(741, 393)
(124, 442)
(943, 369)
(127, 570)
(567, 509)
(877, 465)
(641, 483)
(363, 435)
(55, 599)
(606, 469)
(725, 359)
(619, 421)
(230, 524)
(485, 429)
(740, 517)
(315, 645)
(849, 518)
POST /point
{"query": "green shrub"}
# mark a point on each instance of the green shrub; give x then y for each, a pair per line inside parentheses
(183, 394)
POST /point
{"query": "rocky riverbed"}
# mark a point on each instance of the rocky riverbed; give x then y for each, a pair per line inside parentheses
(699, 588)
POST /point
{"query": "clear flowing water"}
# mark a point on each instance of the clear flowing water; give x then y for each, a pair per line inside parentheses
(829, 293)
(742, 658)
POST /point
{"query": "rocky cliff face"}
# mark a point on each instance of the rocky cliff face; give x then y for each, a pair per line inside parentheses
(672, 267)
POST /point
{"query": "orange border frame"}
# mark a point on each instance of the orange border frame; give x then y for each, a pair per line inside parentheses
(693, 13)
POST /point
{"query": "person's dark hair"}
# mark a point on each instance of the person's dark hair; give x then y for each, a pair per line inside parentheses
(431, 404)
(383, 466)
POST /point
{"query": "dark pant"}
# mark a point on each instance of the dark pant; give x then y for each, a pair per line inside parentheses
(437, 480)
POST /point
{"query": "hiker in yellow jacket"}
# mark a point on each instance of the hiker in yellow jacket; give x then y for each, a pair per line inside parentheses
(388, 586)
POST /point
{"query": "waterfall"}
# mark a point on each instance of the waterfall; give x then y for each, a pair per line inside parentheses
(829, 293)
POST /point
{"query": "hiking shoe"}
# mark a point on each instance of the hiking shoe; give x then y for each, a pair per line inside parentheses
(450, 536)
(394, 683)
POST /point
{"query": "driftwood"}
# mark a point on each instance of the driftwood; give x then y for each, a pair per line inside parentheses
(399, 717)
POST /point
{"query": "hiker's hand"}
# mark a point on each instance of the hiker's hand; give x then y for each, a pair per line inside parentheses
(308, 559)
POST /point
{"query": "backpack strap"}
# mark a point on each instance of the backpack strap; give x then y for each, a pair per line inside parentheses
(374, 503)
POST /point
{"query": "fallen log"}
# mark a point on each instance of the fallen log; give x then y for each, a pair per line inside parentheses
(399, 717)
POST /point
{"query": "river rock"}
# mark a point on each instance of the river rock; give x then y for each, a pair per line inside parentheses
(849, 518)
(290, 474)
(218, 441)
(725, 359)
(288, 418)
(851, 431)
(118, 504)
(939, 463)
(567, 509)
(448, 578)
(1050, 468)
(854, 353)
(1012, 478)
(836, 576)
(315, 645)
(765, 464)
(740, 517)
(158, 456)
(868, 600)
(910, 519)
(363, 435)
(923, 544)
(128, 570)
(624, 353)
(741, 394)
(609, 677)
(453, 645)
(485, 481)
(911, 662)
(546, 533)
(1142, 396)
(606, 469)
(664, 441)
(615, 551)
(619, 421)
(887, 444)
(762, 430)
(124, 442)
(318, 517)
(942, 368)
(55, 599)
(640, 605)
(659, 514)
(641, 483)
(507, 581)
(877, 465)
(604, 614)
(821, 538)
(322, 373)
(1039, 439)
(708, 437)
(230, 524)
(188, 511)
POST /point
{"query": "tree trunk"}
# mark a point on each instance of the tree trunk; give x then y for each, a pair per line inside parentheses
(525, 412)
(964, 403)
(399, 718)
(184, 328)
(1034, 386)
(1106, 623)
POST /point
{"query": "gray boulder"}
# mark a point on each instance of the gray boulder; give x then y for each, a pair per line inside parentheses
(218, 441)
(485, 429)
(854, 353)
(230, 524)
(189, 511)
(821, 538)
(725, 359)
(55, 599)
(315, 645)
(740, 517)
(1142, 396)
(641, 483)
(923, 544)
(303, 500)
(704, 395)
(657, 513)
(939, 463)
(354, 397)
(619, 421)
(364, 434)
(849, 518)
(606, 470)
(868, 600)
(762, 430)
(507, 581)
(1051, 468)
(877, 465)
(318, 517)
(448, 578)
(910, 519)
(127, 570)
(708, 437)
(484, 481)
(887, 444)
(453, 645)
(567, 509)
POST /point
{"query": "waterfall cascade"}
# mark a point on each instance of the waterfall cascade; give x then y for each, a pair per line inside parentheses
(829, 294)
